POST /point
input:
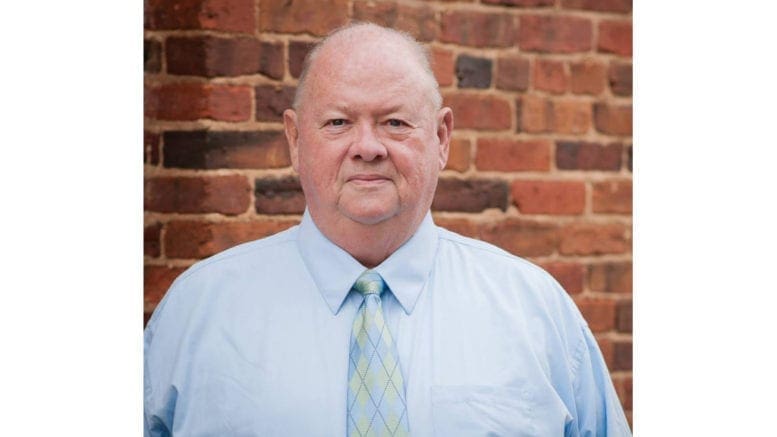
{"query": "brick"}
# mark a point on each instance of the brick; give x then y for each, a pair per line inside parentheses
(588, 77)
(623, 386)
(316, 17)
(473, 72)
(512, 155)
(477, 29)
(612, 196)
(620, 78)
(196, 239)
(272, 100)
(512, 73)
(594, 239)
(550, 76)
(211, 56)
(297, 52)
(194, 101)
(151, 240)
(555, 34)
(629, 158)
(538, 115)
(461, 226)
(279, 195)
(548, 197)
(472, 195)
(419, 21)
(224, 15)
(569, 275)
(611, 277)
(522, 237)
(519, 3)
(613, 119)
(622, 355)
(615, 37)
(598, 312)
(223, 194)
(204, 149)
(575, 155)
(442, 64)
(151, 148)
(606, 347)
(598, 5)
(152, 56)
(459, 155)
(478, 111)
(156, 281)
(624, 317)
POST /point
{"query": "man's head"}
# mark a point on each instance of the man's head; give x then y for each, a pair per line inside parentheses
(367, 133)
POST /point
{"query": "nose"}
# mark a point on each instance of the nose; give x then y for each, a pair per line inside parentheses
(366, 145)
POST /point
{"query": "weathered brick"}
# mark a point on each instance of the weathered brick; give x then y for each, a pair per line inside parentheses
(620, 78)
(211, 56)
(151, 239)
(442, 64)
(419, 21)
(193, 101)
(606, 347)
(225, 15)
(316, 17)
(151, 148)
(197, 239)
(297, 52)
(588, 77)
(548, 197)
(553, 33)
(623, 386)
(156, 281)
(479, 111)
(478, 29)
(204, 149)
(624, 316)
(629, 158)
(272, 100)
(613, 196)
(152, 56)
(512, 73)
(569, 275)
(473, 72)
(598, 5)
(519, 3)
(574, 155)
(615, 37)
(594, 239)
(472, 195)
(512, 155)
(459, 225)
(522, 237)
(223, 194)
(550, 76)
(599, 313)
(613, 119)
(622, 355)
(279, 195)
(459, 155)
(538, 114)
(611, 277)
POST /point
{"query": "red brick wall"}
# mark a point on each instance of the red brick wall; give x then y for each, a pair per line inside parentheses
(540, 161)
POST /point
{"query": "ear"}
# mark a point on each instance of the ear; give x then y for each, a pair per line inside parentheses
(292, 136)
(444, 130)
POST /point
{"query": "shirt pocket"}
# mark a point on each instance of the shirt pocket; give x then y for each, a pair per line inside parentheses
(483, 411)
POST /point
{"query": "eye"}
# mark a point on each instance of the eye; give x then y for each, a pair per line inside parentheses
(396, 123)
(337, 122)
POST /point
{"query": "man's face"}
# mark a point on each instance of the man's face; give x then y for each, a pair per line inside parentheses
(366, 140)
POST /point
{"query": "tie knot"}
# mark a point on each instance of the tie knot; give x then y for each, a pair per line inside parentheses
(369, 282)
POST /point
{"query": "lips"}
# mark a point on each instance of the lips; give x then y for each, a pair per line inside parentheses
(368, 179)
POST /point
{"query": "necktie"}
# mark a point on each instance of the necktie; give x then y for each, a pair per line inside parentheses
(376, 390)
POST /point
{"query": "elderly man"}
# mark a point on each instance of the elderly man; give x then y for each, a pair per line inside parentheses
(367, 319)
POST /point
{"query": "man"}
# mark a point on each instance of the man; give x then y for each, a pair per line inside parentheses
(367, 319)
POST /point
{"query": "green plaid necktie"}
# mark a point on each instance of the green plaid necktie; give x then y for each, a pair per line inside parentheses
(376, 390)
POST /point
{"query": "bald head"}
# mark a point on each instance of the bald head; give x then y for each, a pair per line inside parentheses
(350, 45)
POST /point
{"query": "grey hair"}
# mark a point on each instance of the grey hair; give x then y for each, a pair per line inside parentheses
(420, 52)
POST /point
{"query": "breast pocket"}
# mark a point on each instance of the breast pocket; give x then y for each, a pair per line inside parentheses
(486, 411)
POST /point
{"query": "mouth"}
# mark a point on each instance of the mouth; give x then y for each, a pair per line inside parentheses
(368, 179)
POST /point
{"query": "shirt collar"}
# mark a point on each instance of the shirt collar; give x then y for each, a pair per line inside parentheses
(334, 270)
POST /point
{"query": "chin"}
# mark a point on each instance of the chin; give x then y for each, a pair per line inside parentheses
(369, 214)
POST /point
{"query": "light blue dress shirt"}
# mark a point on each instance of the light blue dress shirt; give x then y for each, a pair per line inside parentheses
(254, 342)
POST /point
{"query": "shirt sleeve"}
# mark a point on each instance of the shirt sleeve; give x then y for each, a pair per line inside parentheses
(599, 412)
